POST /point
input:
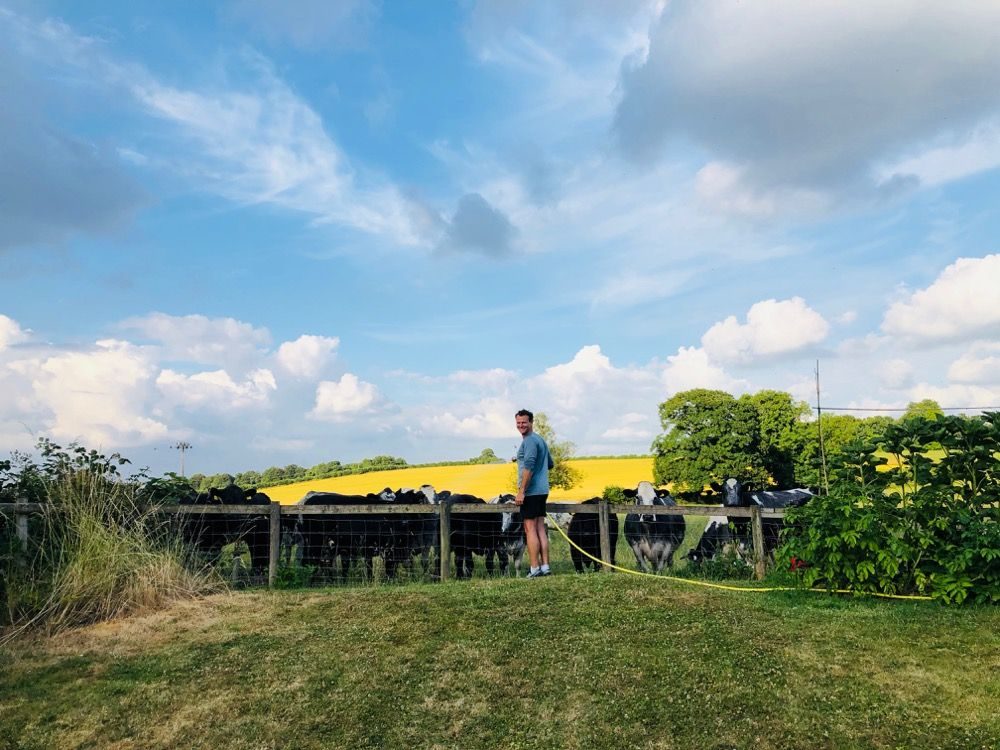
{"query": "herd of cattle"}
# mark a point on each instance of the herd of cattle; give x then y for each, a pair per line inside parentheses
(333, 542)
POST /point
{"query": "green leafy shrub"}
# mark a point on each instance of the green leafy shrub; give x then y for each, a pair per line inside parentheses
(927, 522)
(96, 551)
(614, 494)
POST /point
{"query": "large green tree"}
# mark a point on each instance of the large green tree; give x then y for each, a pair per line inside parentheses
(709, 436)
(928, 408)
(779, 417)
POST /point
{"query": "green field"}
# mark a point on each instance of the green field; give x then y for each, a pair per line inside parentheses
(565, 662)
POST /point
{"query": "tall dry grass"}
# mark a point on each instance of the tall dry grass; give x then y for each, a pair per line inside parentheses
(99, 555)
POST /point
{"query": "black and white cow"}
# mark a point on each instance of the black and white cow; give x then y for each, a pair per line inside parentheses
(351, 536)
(653, 538)
(585, 532)
(723, 533)
(510, 543)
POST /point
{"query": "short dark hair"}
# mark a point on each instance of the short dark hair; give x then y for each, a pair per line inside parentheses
(526, 413)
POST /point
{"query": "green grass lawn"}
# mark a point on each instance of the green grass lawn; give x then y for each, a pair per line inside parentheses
(568, 661)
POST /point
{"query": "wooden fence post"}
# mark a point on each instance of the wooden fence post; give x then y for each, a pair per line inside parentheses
(274, 539)
(757, 529)
(445, 549)
(21, 526)
(604, 524)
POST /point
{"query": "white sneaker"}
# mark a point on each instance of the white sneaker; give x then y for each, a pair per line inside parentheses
(535, 574)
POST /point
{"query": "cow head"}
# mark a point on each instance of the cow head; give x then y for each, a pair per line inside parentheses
(428, 491)
(506, 519)
(732, 493)
(387, 495)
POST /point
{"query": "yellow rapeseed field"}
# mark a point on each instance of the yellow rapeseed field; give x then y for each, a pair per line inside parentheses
(482, 480)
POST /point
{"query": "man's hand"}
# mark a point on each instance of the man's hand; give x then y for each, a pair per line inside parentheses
(519, 500)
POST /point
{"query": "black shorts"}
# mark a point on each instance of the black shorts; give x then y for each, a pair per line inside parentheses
(534, 506)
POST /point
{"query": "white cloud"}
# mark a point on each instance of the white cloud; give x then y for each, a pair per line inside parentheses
(10, 332)
(979, 152)
(196, 338)
(691, 368)
(960, 305)
(249, 138)
(896, 374)
(491, 418)
(307, 355)
(216, 390)
(977, 366)
(337, 400)
(98, 397)
(632, 428)
(958, 395)
(772, 328)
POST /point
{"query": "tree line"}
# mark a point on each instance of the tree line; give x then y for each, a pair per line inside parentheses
(765, 438)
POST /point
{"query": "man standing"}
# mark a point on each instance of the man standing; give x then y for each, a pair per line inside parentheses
(533, 464)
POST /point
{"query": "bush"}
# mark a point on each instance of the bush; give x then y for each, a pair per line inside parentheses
(927, 523)
(94, 553)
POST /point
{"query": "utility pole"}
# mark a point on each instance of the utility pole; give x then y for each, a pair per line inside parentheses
(819, 425)
(182, 446)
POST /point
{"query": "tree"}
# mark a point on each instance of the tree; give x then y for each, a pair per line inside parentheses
(839, 431)
(486, 457)
(779, 417)
(562, 474)
(709, 436)
(928, 408)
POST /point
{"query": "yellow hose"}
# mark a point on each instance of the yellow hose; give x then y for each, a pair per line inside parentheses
(726, 587)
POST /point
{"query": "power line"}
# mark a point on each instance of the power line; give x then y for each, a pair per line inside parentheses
(906, 408)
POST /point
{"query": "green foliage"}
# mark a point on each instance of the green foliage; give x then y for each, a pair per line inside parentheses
(486, 457)
(925, 409)
(922, 526)
(709, 436)
(613, 494)
(562, 474)
(839, 431)
(779, 419)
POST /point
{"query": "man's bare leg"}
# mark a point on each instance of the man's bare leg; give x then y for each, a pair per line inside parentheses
(531, 538)
(543, 539)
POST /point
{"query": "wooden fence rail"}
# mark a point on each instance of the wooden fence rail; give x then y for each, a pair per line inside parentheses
(274, 512)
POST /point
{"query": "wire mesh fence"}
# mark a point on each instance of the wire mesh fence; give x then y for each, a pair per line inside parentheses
(396, 538)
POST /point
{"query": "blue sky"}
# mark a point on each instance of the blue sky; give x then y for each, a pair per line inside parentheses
(302, 231)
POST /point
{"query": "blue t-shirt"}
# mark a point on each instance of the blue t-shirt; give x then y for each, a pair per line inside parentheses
(533, 455)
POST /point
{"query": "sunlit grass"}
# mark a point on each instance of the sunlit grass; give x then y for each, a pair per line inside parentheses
(595, 661)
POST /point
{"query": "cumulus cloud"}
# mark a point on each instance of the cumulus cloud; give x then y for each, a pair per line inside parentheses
(793, 100)
(216, 390)
(632, 428)
(979, 366)
(337, 400)
(896, 374)
(773, 328)
(196, 338)
(490, 418)
(478, 227)
(307, 355)
(99, 397)
(10, 332)
(692, 368)
(960, 305)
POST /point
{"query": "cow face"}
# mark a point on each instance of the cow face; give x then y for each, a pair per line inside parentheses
(732, 493)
